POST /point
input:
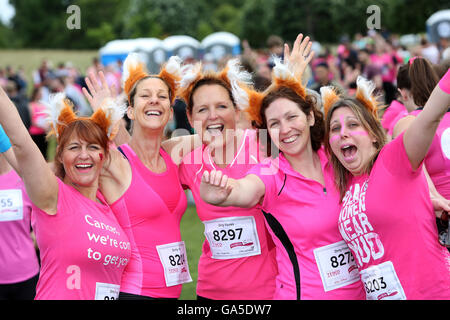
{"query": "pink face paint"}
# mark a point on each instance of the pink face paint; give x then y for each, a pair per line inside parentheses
(350, 133)
(101, 156)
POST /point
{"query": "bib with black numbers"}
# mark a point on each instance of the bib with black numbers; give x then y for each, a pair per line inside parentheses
(174, 260)
(336, 265)
(232, 237)
(11, 205)
(381, 283)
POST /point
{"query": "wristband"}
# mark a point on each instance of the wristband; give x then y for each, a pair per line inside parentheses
(444, 84)
(5, 144)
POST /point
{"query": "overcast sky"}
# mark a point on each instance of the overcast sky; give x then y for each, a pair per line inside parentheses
(6, 11)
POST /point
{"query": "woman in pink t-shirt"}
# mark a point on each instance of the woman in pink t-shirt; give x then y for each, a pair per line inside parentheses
(141, 182)
(39, 126)
(238, 256)
(386, 216)
(421, 79)
(19, 269)
(82, 246)
(295, 190)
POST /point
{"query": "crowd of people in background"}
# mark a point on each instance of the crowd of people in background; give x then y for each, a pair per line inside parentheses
(215, 90)
(375, 56)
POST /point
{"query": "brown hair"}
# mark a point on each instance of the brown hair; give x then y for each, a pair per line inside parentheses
(423, 79)
(370, 123)
(306, 104)
(207, 81)
(134, 88)
(86, 130)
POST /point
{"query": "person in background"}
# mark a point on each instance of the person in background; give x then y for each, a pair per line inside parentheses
(39, 126)
(19, 265)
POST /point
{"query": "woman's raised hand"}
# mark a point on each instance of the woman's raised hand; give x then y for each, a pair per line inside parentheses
(214, 188)
(300, 56)
(98, 92)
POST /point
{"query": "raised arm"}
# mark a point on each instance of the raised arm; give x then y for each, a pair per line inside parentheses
(219, 190)
(300, 56)
(40, 182)
(419, 135)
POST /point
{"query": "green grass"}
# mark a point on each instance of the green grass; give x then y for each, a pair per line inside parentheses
(192, 234)
(31, 59)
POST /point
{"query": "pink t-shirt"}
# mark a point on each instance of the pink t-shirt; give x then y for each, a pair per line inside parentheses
(393, 113)
(37, 118)
(18, 260)
(83, 249)
(150, 212)
(238, 255)
(388, 222)
(301, 214)
(437, 160)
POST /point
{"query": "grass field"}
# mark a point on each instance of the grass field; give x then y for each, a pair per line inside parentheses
(30, 60)
(192, 234)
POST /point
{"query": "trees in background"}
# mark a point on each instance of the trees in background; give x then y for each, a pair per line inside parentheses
(42, 23)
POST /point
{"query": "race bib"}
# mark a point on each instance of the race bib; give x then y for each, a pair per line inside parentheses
(337, 266)
(381, 282)
(175, 264)
(106, 291)
(11, 205)
(233, 237)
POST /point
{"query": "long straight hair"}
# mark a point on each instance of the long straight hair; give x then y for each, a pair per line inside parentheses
(369, 123)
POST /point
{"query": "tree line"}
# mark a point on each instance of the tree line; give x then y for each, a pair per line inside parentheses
(42, 23)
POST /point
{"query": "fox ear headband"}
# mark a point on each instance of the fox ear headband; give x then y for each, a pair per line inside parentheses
(134, 70)
(364, 94)
(60, 113)
(236, 79)
(282, 76)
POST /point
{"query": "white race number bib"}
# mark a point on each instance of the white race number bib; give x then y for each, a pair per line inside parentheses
(174, 260)
(11, 205)
(232, 237)
(336, 265)
(381, 283)
(106, 291)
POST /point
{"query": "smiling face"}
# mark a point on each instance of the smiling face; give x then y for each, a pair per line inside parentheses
(350, 142)
(289, 126)
(213, 115)
(82, 162)
(151, 104)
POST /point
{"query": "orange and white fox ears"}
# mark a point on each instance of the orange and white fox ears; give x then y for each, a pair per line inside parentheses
(60, 113)
(364, 94)
(282, 76)
(134, 69)
(329, 97)
(232, 75)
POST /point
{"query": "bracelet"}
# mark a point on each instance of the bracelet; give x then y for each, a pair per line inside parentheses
(5, 144)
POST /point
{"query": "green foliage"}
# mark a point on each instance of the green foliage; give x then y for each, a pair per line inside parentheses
(42, 23)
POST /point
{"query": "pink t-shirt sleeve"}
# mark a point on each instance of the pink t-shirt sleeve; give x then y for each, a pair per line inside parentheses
(264, 171)
(395, 159)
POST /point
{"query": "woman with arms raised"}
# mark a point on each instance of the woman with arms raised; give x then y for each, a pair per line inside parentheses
(70, 215)
(386, 216)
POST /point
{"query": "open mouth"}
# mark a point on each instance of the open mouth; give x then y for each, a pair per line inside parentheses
(290, 139)
(215, 129)
(84, 167)
(153, 113)
(349, 151)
